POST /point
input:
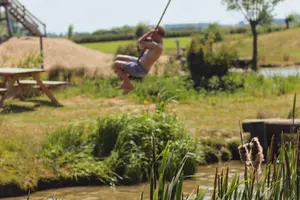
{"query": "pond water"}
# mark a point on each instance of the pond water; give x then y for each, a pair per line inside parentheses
(268, 72)
(204, 178)
(286, 71)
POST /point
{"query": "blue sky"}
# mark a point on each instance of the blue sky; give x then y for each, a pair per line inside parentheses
(90, 15)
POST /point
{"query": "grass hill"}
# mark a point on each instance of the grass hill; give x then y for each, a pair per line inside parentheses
(278, 48)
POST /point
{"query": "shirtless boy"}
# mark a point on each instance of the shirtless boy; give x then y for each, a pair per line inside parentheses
(128, 65)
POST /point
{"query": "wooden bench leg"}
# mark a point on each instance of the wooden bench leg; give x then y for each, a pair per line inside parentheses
(12, 90)
(2, 97)
(45, 90)
(21, 95)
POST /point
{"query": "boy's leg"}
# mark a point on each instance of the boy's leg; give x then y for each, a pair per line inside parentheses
(126, 58)
(127, 85)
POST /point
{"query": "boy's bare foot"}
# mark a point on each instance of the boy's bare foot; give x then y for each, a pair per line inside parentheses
(128, 88)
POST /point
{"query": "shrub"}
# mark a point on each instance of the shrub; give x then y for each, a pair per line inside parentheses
(141, 29)
(233, 148)
(215, 29)
(206, 60)
(225, 154)
(130, 49)
(211, 155)
(239, 30)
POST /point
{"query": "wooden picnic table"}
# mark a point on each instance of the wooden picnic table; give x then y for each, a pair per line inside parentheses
(11, 83)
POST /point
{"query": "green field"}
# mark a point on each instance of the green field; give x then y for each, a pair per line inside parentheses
(275, 48)
(111, 47)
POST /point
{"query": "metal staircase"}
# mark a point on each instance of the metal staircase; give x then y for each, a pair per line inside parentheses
(30, 22)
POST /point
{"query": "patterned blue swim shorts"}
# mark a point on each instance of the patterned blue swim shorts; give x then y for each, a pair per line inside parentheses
(135, 69)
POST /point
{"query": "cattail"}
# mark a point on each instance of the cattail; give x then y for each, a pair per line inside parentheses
(298, 152)
(244, 154)
(215, 185)
(271, 156)
(256, 154)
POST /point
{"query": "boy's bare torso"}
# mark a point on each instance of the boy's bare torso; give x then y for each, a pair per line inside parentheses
(151, 56)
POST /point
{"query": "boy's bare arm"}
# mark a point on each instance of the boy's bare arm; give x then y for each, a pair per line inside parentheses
(149, 45)
(145, 36)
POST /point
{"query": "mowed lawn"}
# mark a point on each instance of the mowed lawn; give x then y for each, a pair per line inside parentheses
(218, 116)
(111, 47)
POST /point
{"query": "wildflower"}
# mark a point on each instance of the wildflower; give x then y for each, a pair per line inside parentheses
(146, 102)
(256, 154)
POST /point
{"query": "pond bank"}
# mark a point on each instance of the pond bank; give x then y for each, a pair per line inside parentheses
(204, 178)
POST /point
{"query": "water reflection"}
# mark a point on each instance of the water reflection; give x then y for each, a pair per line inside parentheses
(288, 71)
(204, 178)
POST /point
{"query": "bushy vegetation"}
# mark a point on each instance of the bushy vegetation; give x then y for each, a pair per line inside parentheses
(181, 88)
(260, 29)
(118, 149)
(130, 49)
(216, 30)
(205, 60)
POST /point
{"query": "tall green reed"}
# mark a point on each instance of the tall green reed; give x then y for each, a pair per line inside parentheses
(160, 189)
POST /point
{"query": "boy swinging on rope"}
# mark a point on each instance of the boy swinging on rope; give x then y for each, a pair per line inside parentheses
(127, 65)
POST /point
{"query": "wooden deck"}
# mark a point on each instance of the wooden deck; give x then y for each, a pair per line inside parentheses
(264, 129)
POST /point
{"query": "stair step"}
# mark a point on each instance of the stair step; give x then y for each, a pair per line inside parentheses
(29, 23)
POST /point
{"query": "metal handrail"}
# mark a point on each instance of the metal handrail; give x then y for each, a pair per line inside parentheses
(28, 15)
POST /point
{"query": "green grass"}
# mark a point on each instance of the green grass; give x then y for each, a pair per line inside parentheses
(275, 48)
(280, 47)
(111, 47)
(206, 115)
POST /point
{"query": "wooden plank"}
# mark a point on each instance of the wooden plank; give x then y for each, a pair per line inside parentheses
(49, 83)
(3, 91)
(271, 121)
(14, 71)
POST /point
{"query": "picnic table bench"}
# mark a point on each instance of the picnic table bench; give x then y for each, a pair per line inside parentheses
(264, 129)
(16, 87)
(47, 84)
(2, 93)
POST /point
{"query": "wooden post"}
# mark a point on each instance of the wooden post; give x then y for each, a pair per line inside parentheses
(8, 24)
(42, 49)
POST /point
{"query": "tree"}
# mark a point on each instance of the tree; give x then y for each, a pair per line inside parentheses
(70, 31)
(291, 18)
(256, 12)
(141, 29)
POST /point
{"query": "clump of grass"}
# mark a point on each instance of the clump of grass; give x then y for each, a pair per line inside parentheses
(118, 149)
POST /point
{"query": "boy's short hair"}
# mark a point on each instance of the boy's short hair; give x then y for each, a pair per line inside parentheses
(161, 31)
